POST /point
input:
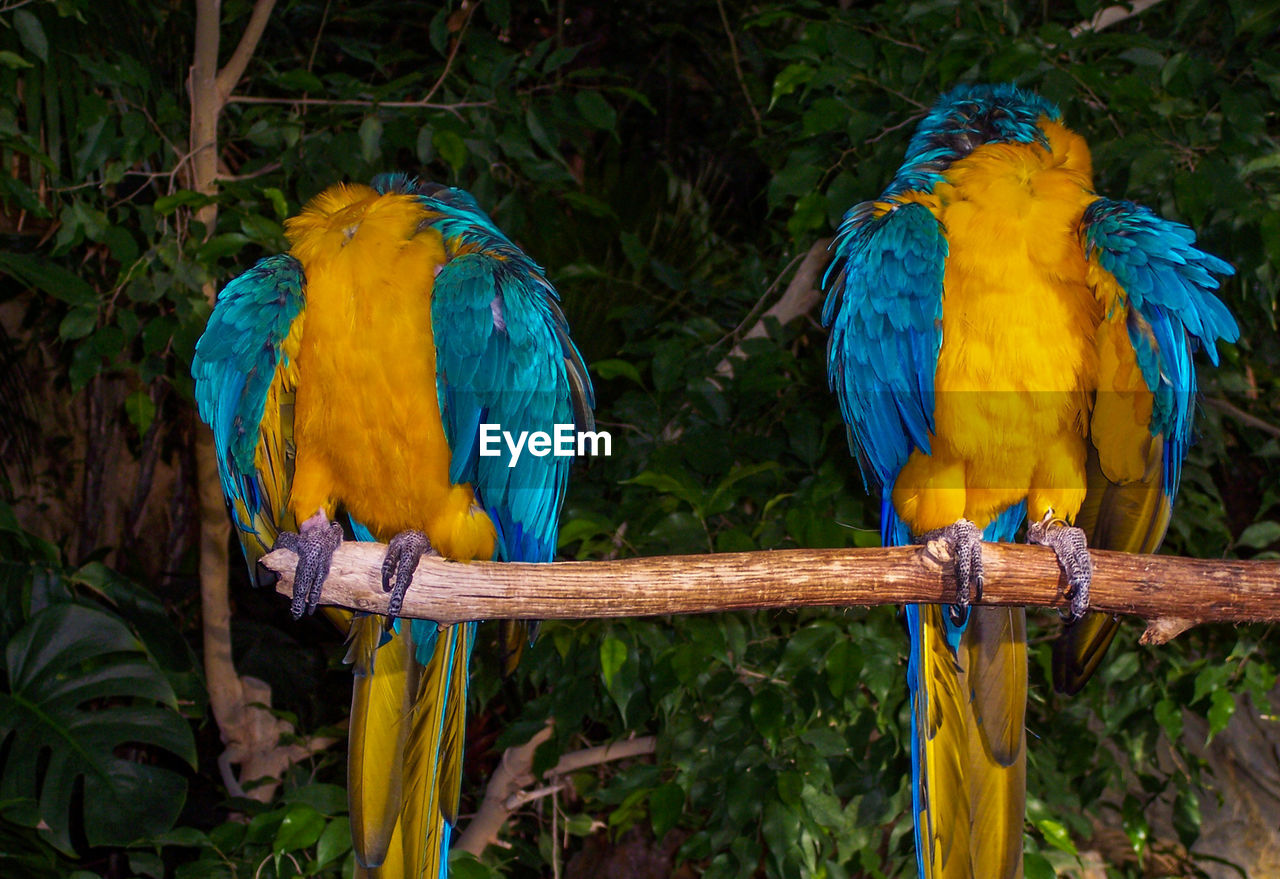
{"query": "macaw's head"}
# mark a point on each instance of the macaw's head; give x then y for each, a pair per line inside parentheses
(965, 118)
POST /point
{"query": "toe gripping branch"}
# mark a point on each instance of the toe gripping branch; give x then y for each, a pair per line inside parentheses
(964, 539)
(314, 547)
(1071, 548)
(403, 554)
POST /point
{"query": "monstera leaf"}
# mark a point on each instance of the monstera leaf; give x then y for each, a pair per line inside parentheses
(82, 697)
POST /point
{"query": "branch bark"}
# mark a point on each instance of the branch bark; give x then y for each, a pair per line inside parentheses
(802, 294)
(507, 790)
(1154, 587)
(1105, 18)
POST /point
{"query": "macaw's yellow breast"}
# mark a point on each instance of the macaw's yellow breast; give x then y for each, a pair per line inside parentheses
(367, 423)
(1018, 362)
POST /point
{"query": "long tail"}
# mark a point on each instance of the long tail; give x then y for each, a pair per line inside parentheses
(407, 726)
(968, 678)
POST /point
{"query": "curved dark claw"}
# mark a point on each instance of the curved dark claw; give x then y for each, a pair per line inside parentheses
(315, 545)
(403, 554)
(965, 540)
(1069, 545)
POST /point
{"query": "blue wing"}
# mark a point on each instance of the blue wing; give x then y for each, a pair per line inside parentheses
(1167, 284)
(246, 375)
(884, 309)
(504, 357)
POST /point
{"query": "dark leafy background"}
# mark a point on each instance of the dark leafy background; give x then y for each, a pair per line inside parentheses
(669, 162)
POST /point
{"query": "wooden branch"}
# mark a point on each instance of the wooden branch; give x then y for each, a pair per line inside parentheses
(507, 788)
(801, 296)
(1105, 18)
(1149, 586)
(231, 72)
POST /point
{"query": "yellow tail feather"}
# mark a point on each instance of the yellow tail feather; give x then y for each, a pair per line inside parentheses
(433, 758)
(386, 678)
(972, 747)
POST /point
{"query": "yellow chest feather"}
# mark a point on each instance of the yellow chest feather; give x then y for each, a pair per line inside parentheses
(1018, 363)
(367, 424)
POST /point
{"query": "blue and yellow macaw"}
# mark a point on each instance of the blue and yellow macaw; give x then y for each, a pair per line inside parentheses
(351, 376)
(1008, 346)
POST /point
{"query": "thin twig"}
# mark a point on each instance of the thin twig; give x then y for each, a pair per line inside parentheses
(453, 52)
(357, 102)
(269, 168)
(1242, 416)
(231, 72)
(737, 67)
(1104, 18)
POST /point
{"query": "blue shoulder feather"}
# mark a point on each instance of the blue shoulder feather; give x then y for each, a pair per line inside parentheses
(1169, 286)
(884, 309)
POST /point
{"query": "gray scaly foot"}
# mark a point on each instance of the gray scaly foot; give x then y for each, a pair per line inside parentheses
(965, 542)
(1069, 545)
(403, 554)
(314, 544)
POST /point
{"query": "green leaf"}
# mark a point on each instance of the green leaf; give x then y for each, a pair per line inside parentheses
(371, 139)
(607, 369)
(301, 827)
(596, 110)
(52, 279)
(278, 202)
(80, 689)
(613, 653)
(328, 799)
(810, 214)
(666, 804)
(844, 665)
(78, 323)
(141, 410)
(1169, 715)
(1186, 816)
(13, 60)
(31, 34)
(1135, 824)
(767, 712)
(1037, 866)
(792, 77)
(1259, 535)
(167, 204)
(1221, 706)
(1055, 833)
(451, 148)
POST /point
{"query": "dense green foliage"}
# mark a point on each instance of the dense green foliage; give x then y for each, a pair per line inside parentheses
(669, 162)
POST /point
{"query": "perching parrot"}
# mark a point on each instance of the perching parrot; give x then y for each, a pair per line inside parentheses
(1008, 346)
(350, 377)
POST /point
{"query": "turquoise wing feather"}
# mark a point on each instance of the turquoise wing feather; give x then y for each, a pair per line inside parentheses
(245, 381)
(884, 310)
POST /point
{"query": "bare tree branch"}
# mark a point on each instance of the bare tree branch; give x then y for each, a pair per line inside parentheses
(800, 297)
(231, 72)
(1149, 586)
(252, 734)
(508, 787)
(1106, 17)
